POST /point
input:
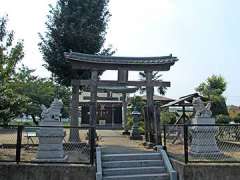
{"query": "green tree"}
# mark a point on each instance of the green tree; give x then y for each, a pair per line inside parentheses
(214, 86)
(156, 76)
(11, 103)
(39, 91)
(10, 54)
(74, 25)
(168, 117)
(213, 89)
(222, 119)
(236, 119)
(137, 102)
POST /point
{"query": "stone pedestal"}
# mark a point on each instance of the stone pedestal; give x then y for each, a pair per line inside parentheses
(50, 142)
(203, 137)
(135, 135)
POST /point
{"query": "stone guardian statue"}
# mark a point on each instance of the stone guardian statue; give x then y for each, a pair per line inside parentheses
(51, 134)
(203, 137)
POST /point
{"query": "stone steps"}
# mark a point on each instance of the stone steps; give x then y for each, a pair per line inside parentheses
(137, 166)
(127, 157)
(162, 176)
(132, 163)
(133, 170)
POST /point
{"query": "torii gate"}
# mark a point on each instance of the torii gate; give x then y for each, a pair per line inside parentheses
(96, 63)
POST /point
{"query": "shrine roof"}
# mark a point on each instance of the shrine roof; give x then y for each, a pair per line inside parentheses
(184, 100)
(100, 59)
(159, 98)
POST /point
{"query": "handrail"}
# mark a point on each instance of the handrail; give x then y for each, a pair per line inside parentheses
(167, 163)
(98, 163)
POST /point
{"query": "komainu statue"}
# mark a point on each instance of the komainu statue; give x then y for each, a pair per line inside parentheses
(201, 110)
(53, 112)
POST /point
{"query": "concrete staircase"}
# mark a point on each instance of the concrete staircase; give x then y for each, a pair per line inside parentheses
(139, 166)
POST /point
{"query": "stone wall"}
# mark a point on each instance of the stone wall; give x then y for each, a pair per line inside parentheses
(46, 172)
(206, 171)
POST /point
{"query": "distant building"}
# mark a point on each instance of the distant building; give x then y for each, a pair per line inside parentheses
(161, 100)
(109, 109)
(233, 111)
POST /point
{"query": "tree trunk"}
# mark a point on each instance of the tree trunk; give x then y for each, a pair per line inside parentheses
(34, 120)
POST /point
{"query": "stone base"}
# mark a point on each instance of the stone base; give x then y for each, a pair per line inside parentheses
(136, 137)
(64, 159)
(58, 154)
(125, 133)
(203, 138)
(148, 145)
(50, 147)
(206, 154)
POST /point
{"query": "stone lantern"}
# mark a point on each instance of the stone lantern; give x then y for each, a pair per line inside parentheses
(135, 134)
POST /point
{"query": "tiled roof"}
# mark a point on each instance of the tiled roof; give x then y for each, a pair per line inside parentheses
(119, 60)
(159, 98)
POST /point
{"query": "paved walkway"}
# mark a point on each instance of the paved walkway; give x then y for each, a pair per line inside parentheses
(112, 141)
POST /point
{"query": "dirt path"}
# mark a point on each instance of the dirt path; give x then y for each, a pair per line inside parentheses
(112, 141)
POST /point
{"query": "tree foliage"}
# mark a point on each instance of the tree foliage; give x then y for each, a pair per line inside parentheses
(222, 119)
(214, 86)
(236, 119)
(10, 54)
(168, 117)
(74, 25)
(39, 91)
(11, 103)
(213, 89)
(137, 102)
(156, 76)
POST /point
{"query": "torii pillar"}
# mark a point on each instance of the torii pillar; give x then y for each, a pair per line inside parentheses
(149, 124)
(74, 133)
(93, 101)
(123, 78)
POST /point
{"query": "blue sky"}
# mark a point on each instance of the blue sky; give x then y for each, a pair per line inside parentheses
(204, 35)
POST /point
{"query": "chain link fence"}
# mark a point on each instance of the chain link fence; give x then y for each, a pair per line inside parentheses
(203, 143)
(173, 138)
(8, 139)
(21, 144)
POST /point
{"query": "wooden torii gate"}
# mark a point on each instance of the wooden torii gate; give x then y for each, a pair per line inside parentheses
(96, 63)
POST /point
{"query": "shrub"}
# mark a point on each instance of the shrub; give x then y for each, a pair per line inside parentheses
(222, 119)
(168, 117)
(236, 119)
(129, 122)
(141, 130)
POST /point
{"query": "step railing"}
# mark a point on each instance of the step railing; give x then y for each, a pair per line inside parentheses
(99, 163)
(167, 163)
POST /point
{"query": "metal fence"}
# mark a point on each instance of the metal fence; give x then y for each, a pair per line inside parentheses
(203, 143)
(21, 143)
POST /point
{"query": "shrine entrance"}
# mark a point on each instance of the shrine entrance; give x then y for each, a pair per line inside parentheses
(96, 64)
(109, 115)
